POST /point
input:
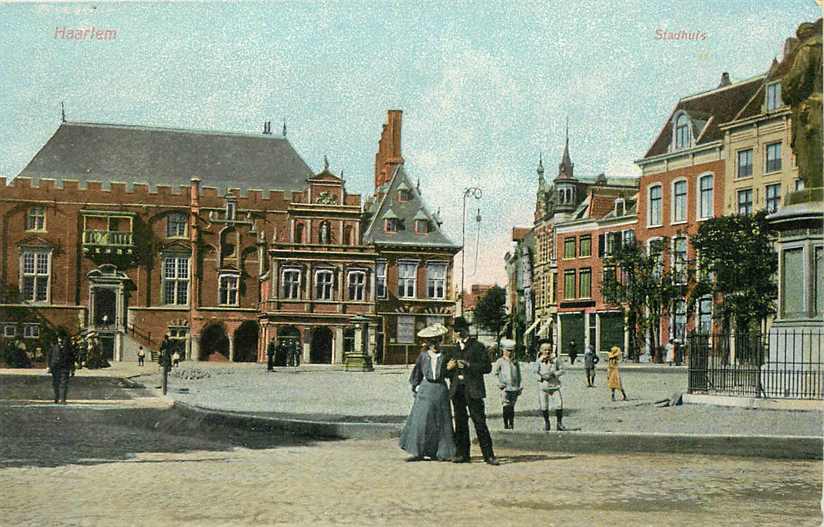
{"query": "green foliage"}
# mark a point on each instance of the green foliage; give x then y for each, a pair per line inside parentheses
(641, 288)
(737, 261)
(490, 311)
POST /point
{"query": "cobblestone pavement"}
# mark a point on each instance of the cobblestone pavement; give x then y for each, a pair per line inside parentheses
(142, 476)
(385, 396)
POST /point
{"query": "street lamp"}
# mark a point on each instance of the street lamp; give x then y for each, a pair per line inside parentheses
(477, 194)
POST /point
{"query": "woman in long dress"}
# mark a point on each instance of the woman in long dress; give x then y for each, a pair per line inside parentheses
(428, 431)
(613, 374)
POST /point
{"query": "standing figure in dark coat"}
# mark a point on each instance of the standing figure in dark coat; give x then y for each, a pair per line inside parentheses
(60, 360)
(573, 351)
(467, 365)
(270, 355)
(428, 429)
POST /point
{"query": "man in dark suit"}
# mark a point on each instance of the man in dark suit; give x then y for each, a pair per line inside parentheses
(467, 365)
(60, 360)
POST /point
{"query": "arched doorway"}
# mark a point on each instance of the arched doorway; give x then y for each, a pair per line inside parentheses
(246, 342)
(321, 350)
(288, 346)
(214, 344)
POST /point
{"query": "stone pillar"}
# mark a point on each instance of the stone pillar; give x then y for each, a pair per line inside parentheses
(194, 347)
(337, 356)
(306, 338)
(586, 328)
(231, 348)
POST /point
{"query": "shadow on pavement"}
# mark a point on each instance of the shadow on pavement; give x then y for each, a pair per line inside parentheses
(39, 387)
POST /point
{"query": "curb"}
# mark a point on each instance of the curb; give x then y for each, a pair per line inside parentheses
(754, 402)
(293, 426)
(775, 447)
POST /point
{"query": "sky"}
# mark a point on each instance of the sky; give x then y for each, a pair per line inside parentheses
(485, 86)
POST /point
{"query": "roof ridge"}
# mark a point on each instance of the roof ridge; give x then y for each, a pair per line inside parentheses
(722, 88)
(174, 130)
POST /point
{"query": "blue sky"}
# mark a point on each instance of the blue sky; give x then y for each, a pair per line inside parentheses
(484, 86)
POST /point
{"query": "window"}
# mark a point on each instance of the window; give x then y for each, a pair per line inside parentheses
(679, 320)
(380, 279)
(569, 248)
(357, 285)
(436, 280)
(773, 156)
(406, 329)
(228, 290)
(608, 275)
(555, 287)
(176, 225)
(176, 280)
(585, 283)
(629, 238)
(679, 209)
(391, 225)
(36, 219)
(745, 201)
(705, 315)
(404, 195)
(324, 233)
(774, 96)
(705, 206)
(679, 260)
(421, 226)
(620, 207)
(9, 331)
(298, 233)
(773, 197)
(744, 167)
(406, 279)
(35, 275)
(682, 132)
(585, 248)
(347, 235)
(655, 199)
(31, 331)
(569, 285)
(799, 184)
(231, 210)
(612, 240)
(656, 248)
(290, 284)
(323, 285)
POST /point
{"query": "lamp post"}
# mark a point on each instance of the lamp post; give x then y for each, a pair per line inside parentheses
(477, 194)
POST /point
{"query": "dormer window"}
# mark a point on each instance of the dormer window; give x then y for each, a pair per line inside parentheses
(404, 195)
(391, 225)
(682, 132)
(620, 207)
(773, 96)
(421, 226)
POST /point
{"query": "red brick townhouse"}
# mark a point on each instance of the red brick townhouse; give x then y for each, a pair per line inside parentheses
(605, 218)
(682, 184)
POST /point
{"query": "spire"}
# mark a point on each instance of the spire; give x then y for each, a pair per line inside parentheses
(540, 164)
(63, 111)
(284, 128)
(325, 162)
(566, 166)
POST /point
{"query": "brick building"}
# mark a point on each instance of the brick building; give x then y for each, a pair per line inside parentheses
(221, 240)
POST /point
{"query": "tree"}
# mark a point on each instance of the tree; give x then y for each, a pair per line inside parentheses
(737, 261)
(490, 311)
(635, 280)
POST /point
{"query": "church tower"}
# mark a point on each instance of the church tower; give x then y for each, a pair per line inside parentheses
(565, 183)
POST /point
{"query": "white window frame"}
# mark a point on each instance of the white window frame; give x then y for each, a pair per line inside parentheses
(37, 274)
(176, 219)
(31, 331)
(738, 165)
(767, 157)
(419, 223)
(404, 282)
(381, 287)
(679, 269)
(435, 284)
(738, 200)
(36, 219)
(230, 283)
(574, 289)
(660, 215)
(701, 313)
(774, 100)
(684, 204)
(177, 279)
(677, 142)
(353, 287)
(393, 222)
(660, 268)
(294, 287)
(326, 284)
(704, 214)
(9, 331)
(776, 198)
(679, 318)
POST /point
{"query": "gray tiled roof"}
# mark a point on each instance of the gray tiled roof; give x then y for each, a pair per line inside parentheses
(406, 211)
(166, 156)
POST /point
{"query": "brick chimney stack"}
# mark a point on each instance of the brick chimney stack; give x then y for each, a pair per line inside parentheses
(389, 148)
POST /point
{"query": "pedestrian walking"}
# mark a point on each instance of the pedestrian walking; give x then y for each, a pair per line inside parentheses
(590, 360)
(294, 351)
(670, 347)
(547, 371)
(141, 356)
(60, 361)
(573, 351)
(428, 431)
(468, 363)
(613, 373)
(270, 355)
(508, 372)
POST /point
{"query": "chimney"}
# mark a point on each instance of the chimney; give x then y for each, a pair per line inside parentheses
(194, 193)
(725, 80)
(389, 148)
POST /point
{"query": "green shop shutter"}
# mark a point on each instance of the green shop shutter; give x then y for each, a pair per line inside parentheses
(612, 331)
(572, 327)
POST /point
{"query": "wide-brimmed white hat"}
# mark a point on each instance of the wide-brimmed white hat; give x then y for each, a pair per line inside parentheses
(507, 344)
(433, 331)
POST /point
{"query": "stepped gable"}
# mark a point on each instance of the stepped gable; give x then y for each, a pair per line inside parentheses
(406, 212)
(710, 109)
(165, 156)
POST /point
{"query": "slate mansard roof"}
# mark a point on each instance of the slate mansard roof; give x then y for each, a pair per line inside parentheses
(167, 156)
(407, 212)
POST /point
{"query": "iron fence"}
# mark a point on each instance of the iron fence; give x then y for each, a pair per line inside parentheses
(782, 363)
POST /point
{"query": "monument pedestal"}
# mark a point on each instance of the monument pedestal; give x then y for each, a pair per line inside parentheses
(358, 359)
